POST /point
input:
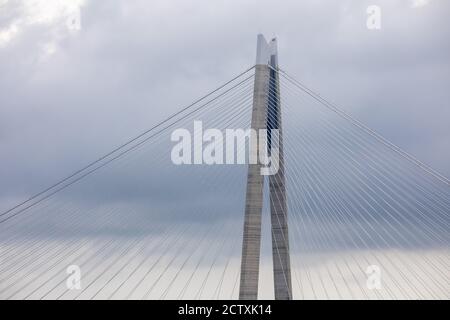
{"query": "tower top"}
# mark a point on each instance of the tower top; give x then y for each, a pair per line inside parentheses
(266, 52)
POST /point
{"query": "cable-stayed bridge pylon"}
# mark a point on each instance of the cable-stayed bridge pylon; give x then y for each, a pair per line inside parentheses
(366, 219)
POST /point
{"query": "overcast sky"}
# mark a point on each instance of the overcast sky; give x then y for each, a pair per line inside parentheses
(69, 94)
(116, 76)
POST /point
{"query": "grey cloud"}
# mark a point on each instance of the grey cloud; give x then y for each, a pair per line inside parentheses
(132, 64)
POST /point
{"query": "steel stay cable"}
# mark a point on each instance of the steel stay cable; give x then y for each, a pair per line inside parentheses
(130, 141)
(360, 125)
(97, 161)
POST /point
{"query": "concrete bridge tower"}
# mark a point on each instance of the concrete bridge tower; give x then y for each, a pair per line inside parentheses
(266, 114)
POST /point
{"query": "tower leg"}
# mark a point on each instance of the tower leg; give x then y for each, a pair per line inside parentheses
(278, 207)
(251, 244)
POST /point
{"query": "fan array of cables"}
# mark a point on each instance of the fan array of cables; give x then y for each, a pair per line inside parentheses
(366, 219)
